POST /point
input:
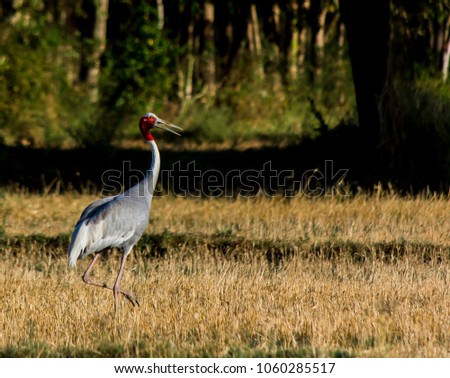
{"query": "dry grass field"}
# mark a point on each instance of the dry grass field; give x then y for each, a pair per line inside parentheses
(366, 276)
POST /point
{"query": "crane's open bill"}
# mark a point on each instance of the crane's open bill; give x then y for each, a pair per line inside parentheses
(168, 126)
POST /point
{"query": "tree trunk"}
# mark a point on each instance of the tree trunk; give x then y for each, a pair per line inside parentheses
(367, 25)
(445, 62)
(239, 20)
(302, 10)
(320, 42)
(208, 53)
(160, 6)
(446, 54)
(285, 34)
(253, 37)
(316, 19)
(222, 38)
(190, 60)
(99, 36)
(294, 50)
(340, 62)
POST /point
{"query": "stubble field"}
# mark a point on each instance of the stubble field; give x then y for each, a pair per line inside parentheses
(366, 276)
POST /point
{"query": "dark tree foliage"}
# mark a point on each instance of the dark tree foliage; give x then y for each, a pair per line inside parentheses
(82, 73)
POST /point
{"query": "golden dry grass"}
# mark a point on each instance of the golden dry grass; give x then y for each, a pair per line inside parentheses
(197, 301)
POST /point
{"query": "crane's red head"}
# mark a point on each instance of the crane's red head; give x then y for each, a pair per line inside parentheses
(146, 123)
(150, 121)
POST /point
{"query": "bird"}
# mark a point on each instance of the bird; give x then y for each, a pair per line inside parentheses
(119, 221)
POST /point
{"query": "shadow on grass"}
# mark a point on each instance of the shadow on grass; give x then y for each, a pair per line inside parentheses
(275, 253)
(107, 349)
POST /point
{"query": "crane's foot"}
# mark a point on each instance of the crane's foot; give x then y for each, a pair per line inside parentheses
(131, 297)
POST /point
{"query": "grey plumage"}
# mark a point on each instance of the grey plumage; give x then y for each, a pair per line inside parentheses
(117, 221)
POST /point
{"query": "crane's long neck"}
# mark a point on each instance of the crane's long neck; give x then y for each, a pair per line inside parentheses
(146, 187)
(153, 171)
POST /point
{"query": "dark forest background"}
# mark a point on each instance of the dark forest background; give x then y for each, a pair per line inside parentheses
(364, 83)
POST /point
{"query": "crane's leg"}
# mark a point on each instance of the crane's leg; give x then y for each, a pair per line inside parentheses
(87, 279)
(86, 276)
(116, 284)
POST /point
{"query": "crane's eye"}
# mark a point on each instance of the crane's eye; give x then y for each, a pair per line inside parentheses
(152, 120)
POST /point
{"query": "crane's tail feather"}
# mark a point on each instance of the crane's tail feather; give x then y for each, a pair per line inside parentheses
(77, 245)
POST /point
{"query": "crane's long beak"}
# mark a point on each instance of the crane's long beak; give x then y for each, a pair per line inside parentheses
(168, 126)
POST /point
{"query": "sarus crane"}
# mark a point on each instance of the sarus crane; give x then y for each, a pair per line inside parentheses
(119, 221)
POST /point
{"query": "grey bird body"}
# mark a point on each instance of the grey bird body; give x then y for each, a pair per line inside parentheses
(117, 221)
